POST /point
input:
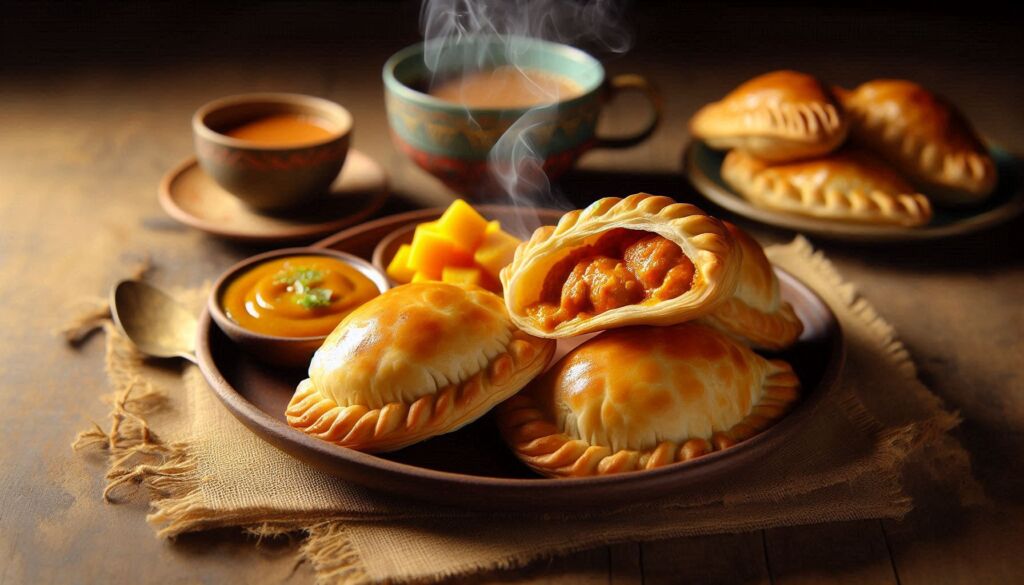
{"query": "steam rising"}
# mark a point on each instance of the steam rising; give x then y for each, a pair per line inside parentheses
(515, 163)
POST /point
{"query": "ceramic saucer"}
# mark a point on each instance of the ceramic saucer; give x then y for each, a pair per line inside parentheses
(192, 197)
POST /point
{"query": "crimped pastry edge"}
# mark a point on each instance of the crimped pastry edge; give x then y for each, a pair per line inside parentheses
(537, 441)
(400, 424)
(949, 174)
(718, 264)
(772, 331)
(906, 209)
(808, 122)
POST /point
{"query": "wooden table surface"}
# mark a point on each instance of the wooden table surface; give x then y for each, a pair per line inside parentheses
(95, 102)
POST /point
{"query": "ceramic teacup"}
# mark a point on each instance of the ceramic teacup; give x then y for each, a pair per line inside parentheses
(453, 141)
(271, 178)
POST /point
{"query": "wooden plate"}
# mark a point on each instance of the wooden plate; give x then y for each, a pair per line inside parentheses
(703, 167)
(192, 197)
(472, 467)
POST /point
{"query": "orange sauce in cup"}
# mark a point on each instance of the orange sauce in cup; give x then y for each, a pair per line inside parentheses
(296, 296)
(282, 130)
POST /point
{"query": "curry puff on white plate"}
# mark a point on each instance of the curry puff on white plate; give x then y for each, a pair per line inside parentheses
(643, 397)
(420, 360)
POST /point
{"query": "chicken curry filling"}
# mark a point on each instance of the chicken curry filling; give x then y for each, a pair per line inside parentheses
(623, 267)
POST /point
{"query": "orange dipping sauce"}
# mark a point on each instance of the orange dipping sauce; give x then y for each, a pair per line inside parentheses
(296, 296)
(282, 130)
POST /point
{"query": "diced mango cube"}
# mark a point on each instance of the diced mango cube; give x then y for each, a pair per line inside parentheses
(496, 251)
(398, 269)
(432, 250)
(456, 275)
(420, 277)
(463, 225)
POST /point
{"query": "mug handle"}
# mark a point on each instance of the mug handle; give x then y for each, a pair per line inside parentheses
(633, 82)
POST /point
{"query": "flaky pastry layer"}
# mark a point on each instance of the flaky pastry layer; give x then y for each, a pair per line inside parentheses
(850, 185)
(399, 424)
(756, 313)
(924, 136)
(536, 422)
(779, 116)
(703, 239)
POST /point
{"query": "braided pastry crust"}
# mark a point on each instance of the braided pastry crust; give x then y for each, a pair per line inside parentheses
(779, 116)
(924, 136)
(850, 185)
(644, 397)
(703, 239)
(421, 360)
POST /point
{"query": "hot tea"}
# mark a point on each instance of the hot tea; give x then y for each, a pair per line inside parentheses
(505, 87)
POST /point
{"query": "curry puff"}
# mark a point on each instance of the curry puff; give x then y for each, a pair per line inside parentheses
(420, 360)
(924, 137)
(642, 260)
(643, 397)
(779, 116)
(851, 185)
(756, 313)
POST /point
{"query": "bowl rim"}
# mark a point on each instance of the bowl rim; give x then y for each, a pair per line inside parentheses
(332, 110)
(393, 85)
(232, 329)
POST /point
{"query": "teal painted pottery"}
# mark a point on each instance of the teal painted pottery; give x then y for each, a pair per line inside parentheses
(455, 143)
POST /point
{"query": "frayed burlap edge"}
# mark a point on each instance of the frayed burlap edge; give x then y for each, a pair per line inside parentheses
(898, 444)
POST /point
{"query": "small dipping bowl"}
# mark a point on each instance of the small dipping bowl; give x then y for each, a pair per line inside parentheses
(289, 352)
(268, 177)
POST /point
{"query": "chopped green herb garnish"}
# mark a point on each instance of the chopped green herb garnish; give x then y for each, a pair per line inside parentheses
(314, 297)
(299, 277)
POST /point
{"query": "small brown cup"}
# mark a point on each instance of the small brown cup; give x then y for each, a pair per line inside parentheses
(270, 178)
(289, 352)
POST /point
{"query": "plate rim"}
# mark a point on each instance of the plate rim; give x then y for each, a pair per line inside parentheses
(851, 232)
(561, 493)
(291, 234)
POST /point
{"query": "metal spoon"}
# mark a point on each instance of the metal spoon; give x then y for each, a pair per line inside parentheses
(153, 321)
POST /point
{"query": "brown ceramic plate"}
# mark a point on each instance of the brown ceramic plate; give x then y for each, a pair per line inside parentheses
(472, 467)
(703, 167)
(192, 197)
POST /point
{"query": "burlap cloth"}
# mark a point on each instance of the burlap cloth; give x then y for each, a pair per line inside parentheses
(880, 432)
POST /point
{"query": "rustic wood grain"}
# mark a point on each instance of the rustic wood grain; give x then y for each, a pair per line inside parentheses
(94, 108)
(829, 554)
(721, 559)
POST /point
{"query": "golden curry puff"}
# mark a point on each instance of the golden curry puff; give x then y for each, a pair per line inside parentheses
(851, 185)
(420, 360)
(643, 397)
(778, 116)
(756, 313)
(924, 137)
(641, 260)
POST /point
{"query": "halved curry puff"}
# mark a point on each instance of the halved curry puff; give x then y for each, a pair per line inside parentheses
(420, 360)
(642, 397)
(641, 260)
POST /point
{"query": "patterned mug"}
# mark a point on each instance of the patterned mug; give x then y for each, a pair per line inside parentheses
(453, 142)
